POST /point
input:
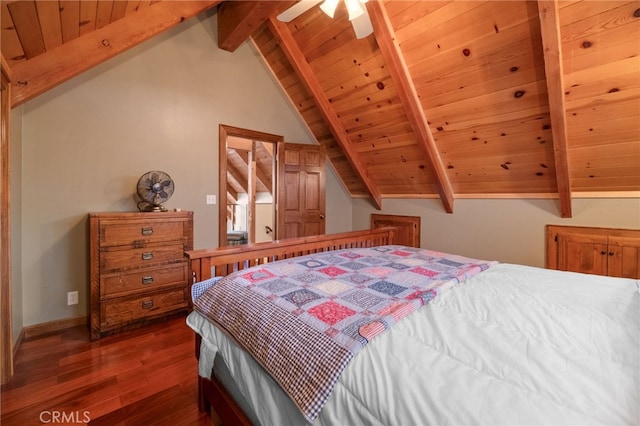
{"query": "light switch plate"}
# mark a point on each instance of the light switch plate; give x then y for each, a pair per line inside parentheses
(211, 199)
(72, 298)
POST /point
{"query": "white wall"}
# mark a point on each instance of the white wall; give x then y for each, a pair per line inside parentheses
(500, 229)
(339, 205)
(156, 106)
(264, 218)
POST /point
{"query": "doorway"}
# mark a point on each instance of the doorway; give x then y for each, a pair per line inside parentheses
(247, 185)
(268, 189)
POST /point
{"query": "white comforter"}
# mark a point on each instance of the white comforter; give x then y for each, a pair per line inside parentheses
(511, 345)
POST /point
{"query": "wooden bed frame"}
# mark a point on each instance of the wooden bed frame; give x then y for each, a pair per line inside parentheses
(206, 263)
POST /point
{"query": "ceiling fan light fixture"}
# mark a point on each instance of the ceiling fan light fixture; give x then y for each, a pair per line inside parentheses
(362, 25)
(296, 10)
(358, 15)
(329, 7)
(354, 7)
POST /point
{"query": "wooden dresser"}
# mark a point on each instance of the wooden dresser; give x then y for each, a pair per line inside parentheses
(138, 270)
(600, 251)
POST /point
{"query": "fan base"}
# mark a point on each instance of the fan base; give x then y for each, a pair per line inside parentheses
(146, 207)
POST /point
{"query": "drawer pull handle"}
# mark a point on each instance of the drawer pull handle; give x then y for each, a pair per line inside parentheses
(147, 231)
(147, 255)
(147, 304)
(147, 280)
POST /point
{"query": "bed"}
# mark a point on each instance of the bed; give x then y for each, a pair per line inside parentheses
(493, 344)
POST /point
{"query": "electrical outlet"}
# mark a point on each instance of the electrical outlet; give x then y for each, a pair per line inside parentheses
(211, 199)
(72, 298)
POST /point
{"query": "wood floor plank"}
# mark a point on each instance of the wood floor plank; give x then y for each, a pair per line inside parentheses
(143, 376)
(63, 402)
(130, 381)
(104, 407)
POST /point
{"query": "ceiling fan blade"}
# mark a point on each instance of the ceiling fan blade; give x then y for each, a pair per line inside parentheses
(362, 25)
(297, 9)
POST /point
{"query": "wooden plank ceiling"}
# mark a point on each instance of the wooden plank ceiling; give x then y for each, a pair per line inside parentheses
(446, 99)
(240, 154)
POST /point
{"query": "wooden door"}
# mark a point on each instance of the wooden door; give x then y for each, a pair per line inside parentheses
(623, 257)
(301, 191)
(580, 252)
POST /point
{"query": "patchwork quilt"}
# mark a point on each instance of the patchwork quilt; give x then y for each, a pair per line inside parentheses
(303, 319)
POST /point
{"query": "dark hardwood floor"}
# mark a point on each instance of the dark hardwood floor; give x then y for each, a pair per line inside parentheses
(140, 377)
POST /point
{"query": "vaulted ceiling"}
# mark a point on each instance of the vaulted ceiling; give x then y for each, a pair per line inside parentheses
(446, 99)
(241, 153)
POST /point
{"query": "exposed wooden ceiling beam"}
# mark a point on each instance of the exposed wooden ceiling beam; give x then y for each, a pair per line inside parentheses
(308, 79)
(233, 174)
(550, 32)
(238, 19)
(45, 71)
(5, 67)
(233, 185)
(395, 63)
(232, 195)
(265, 165)
(262, 178)
(237, 143)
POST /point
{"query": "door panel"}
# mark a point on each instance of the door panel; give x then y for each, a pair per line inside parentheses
(582, 253)
(292, 191)
(624, 257)
(312, 194)
(302, 196)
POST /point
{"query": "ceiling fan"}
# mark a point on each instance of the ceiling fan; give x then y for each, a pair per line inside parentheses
(357, 9)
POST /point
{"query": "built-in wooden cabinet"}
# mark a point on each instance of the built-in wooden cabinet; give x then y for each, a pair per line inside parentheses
(138, 268)
(601, 251)
(408, 228)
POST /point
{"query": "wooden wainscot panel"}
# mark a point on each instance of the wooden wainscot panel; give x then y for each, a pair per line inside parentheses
(408, 228)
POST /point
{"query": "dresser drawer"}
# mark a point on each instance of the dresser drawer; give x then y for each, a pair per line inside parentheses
(141, 257)
(148, 279)
(113, 233)
(117, 312)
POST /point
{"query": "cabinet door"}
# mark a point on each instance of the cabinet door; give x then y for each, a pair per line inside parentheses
(582, 253)
(624, 257)
(408, 233)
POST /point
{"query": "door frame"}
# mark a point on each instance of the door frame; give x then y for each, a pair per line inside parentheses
(6, 326)
(225, 131)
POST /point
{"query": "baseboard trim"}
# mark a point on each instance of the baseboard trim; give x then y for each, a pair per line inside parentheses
(48, 327)
(18, 343)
